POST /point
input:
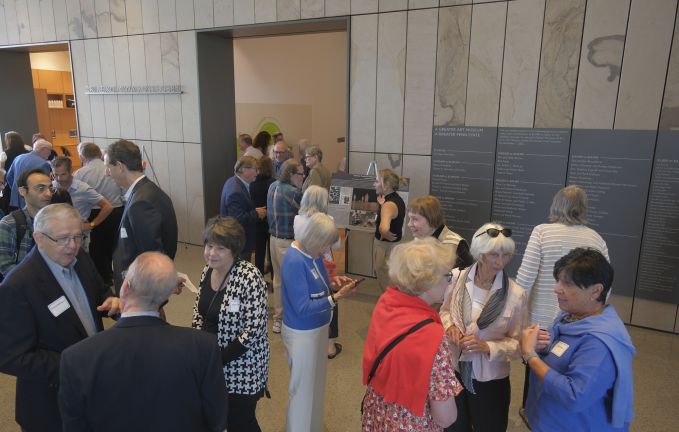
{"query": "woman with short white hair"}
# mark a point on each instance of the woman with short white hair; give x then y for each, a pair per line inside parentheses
(483, 314)
(309, 296)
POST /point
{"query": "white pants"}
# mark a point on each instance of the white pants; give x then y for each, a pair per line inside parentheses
(277, 247)
(307, 353)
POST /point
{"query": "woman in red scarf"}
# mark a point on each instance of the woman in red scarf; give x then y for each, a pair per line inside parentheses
(414, 385)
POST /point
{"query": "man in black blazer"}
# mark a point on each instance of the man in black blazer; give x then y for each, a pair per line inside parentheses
(148, 222)
(144, 374)
(237, 202)
(53, 299)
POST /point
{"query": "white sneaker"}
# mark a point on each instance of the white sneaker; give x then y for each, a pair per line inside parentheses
(276, 328)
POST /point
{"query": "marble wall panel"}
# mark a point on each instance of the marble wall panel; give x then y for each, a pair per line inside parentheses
(189, 80)
(167, 16)
(103, 16)
(35, 21)
(417, 168)
(177, 190)
(108, 77)
(669, 115)
(452, 62)
(559, 60)
(185, 15)
(173, 103)
(204, 13)
(223, 13)
(194, 193)
(603, 41)
(421, 4)
(75, 26)
(360, 161)
(118, 17)
(265, 11)
(337, 7)
(485, 64)
(363, 6)
(418, 114)
(3, 25)
(159, 167)
(312, 8)
(135, 18)
(150, 15)
(391, 65)
(521, 62)
(362, 93)
(89, 18)
(392, 161)
(11, 20)
(140, 103)
(154, 75)
(121, 59)
(287, 10)
(80, 82)
(94, 78)
(243, 12)
(644, 70)
(23, 21)
(60, 19)
(47, 21)
(392, 5)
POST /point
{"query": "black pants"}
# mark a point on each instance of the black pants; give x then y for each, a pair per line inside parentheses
(485, 411)
(333, 330)
(241, 417)
(102, 242)
(526, 383)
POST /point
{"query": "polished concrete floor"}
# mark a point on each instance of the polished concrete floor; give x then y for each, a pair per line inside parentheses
(656, 368)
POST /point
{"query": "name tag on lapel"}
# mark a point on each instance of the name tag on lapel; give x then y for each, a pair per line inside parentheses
(314, 273)
(59, 306)
(123, 232)
(559, 348)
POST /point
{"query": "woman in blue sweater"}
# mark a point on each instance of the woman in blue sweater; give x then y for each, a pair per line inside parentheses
(582, 379)
(308, 299)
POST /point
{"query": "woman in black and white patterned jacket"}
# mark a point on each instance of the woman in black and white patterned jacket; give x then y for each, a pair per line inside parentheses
(231, 304)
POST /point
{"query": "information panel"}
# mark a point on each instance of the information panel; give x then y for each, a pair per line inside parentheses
(658, 277)
(614, 168)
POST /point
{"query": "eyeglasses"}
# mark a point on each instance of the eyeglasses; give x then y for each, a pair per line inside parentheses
(449, 276)
(65, 241)
(494, 232)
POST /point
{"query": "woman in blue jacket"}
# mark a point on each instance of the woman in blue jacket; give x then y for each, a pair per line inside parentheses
(582, 379)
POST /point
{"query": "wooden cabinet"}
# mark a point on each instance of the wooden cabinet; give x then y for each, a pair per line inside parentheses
(51, 81)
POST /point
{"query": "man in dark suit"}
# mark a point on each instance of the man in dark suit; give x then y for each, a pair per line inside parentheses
(51, 300)
(237, 203)
(148, 222)
(144, 374)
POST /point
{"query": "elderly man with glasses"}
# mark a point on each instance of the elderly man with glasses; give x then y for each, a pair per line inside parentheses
(53, 299)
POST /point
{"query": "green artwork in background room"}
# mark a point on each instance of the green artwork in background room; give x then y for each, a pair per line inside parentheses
(268, 125)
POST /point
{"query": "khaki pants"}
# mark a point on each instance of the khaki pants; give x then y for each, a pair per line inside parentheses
(277, 249)
(381, 251)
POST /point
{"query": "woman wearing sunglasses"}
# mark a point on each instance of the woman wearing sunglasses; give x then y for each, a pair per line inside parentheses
(483, 314)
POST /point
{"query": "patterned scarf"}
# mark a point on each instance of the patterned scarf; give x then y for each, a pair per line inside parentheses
(462, 307)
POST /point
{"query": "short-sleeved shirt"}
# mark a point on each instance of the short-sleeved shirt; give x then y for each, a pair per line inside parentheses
(94, 174)
(84, 197)
(378, 415)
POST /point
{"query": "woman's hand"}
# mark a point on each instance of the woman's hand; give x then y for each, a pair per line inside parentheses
(543, 340)
(454, 334)
(345, 290)
(339, 281)
(529, 338)
(380, 199)
(471, 344)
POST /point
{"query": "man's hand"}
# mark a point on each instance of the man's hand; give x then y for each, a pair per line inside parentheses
(180, 285)
(261, 212)
(111, 304)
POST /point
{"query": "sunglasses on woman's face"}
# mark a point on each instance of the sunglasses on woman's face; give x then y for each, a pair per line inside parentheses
(494, 232)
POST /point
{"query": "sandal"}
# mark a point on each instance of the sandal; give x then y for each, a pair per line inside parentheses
(338, 349)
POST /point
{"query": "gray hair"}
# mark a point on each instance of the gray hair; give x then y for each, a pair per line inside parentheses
(320, 230)
(54, 211)
(244, 162)
(288, 168)
(482, 243)
(151, 279)
(569, 206)
(419, 265)
(314, 200)
(315, 151)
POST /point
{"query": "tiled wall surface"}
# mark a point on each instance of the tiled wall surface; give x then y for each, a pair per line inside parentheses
(597, 64)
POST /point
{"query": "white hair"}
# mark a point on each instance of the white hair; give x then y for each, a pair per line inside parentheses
(482, 243)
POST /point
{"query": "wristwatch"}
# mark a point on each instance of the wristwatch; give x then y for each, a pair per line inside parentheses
(529, 355)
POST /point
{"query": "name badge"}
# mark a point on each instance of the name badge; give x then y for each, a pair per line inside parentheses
(123, 232)
(234, 305)
(58, 306)
(559, 348)
(317, 295)
(314, 273)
